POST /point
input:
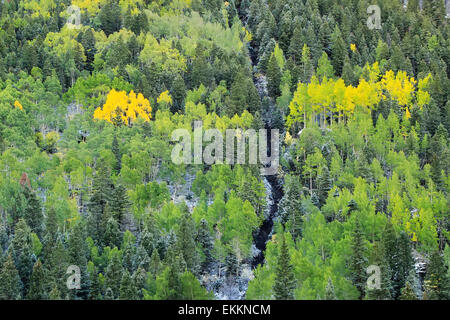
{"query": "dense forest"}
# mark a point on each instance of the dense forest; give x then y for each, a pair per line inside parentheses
(91, 91)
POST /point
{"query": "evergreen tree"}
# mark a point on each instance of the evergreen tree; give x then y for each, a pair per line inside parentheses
(37, 287)
(33, 212)
(231, 264)
(178, 94)
(113, 275)
(100, 197)
(10, 285)
(155, 263)
(273, 77)
(110, 17)
(128, 290)
(358, 259)
(436, 280)
(21, 248)
(206, 244)
(290, 205)
(112, 236)
(186, 242)
(390, 243)
(285, 283)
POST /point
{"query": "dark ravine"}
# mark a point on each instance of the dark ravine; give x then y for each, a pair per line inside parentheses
(275, 189)
(261, 237)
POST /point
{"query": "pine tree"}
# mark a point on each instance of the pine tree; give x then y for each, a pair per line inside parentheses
(358, 259)
(100, 197)
(119, 202)
(285, 283)
(290, 205)
(174, 284)
(273, 77)
(21, 247)
(186, 242)
(339, 51)
(33, 212)
(113, 275)
(406, 262)
(437, 280)
(112, 236)
(178, 93)
(10, 284)
(231, 264)
(128, 290)
(206, 244)
(155, 263)
(37, 287)
(110, 17)
(390, 243)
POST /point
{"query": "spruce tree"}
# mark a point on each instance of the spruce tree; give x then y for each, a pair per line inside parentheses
(206, 244)
(390, 243)
(37, 286)
(358, 259)
(10, 284)
(285, 283)
(119, 202)
(273, 77)
(437, 280)
(128, 289)
(33, 212)
(113, 275)
(100, 197)
(186, 242)
(291, 212)
(155, 263)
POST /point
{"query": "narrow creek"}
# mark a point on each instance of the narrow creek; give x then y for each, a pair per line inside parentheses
(274, 188)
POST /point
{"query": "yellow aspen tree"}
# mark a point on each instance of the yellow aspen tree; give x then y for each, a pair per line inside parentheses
(121, 108)
(298, 106)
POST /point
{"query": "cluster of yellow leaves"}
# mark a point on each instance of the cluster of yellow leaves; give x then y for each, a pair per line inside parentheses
(18, 105)
(123, 108)
(353, 47)
(164, 98)
(39, 8)
(334, 96)
(248, 36)
(400, 87)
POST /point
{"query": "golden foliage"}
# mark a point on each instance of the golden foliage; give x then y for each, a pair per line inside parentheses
(334, 96)
(18, 105)
(121, 108)
(164, 97)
